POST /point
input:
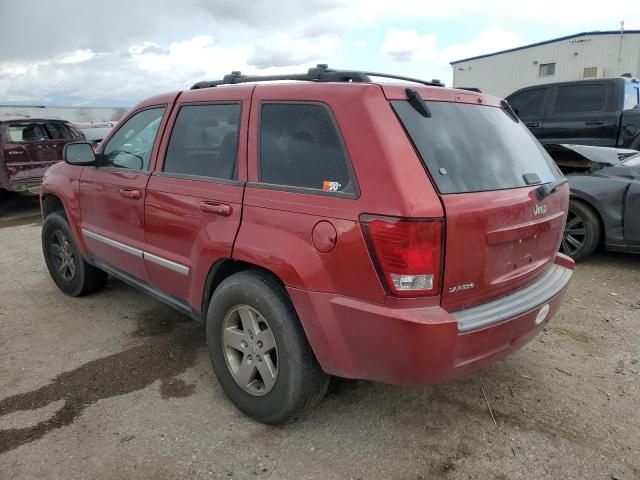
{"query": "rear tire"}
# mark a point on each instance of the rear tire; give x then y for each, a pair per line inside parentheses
(582, 232)
(246, 307)
(69, 270)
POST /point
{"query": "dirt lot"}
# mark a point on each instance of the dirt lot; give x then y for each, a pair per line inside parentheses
(116, 385)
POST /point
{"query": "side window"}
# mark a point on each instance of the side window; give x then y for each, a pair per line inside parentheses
(631, 97)
(204, 141)
(529, 103)
(301, 147)
(581, 98)
(131, 146)
(27, 132)
(58, 131)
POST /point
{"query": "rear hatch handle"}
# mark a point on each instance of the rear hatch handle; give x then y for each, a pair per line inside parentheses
(547, 189)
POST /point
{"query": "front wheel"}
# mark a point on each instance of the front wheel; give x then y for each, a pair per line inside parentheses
(68, 269)
(259, 351)
(582, 232)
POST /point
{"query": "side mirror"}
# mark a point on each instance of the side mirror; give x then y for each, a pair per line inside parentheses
(79, 153)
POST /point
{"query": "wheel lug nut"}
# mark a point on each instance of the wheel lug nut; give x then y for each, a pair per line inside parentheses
(243, 344)
(249, 358)
(259, 344)
(259, 358)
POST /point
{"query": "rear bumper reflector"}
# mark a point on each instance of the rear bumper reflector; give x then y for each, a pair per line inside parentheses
(547, 286)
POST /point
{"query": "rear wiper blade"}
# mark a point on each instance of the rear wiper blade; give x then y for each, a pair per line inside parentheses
(416, 101)
(548, 188)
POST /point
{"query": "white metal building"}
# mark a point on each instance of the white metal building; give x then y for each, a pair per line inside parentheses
(575, 57)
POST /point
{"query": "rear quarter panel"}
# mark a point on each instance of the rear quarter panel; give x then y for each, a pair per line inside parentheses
(276, 230)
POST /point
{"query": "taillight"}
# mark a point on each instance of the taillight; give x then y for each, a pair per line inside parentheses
(406, 252)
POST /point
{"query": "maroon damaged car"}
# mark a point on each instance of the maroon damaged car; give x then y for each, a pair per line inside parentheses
(28, 146)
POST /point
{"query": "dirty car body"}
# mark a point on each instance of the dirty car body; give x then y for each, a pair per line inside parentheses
(336, 208)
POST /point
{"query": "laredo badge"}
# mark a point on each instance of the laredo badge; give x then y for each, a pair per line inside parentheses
(329, 186)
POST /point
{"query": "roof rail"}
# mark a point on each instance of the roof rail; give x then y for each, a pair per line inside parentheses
(319, 73)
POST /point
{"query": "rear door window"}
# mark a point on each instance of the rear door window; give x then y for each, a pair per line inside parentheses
(204, 141)
(300, 147)
(473, 148)
(581, 98)
(529, 103)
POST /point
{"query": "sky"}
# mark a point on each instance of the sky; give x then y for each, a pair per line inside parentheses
(118, 52)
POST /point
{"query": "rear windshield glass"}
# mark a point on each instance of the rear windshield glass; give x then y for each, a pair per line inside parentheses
(472, 148)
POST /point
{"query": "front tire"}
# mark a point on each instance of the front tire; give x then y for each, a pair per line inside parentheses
(259, 351)
(68, 269)
(582, 232)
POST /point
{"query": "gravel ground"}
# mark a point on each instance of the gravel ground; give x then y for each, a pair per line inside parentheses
(116, 385)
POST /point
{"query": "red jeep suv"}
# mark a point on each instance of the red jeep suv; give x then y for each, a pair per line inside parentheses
(402, 233)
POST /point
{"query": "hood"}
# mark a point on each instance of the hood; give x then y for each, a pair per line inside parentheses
(605, 156)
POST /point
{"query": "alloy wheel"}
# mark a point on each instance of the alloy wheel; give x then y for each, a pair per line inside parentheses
(575, 234)
(63, 256)
(250, 350)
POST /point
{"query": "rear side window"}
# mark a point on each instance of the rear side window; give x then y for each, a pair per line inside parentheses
(580, 98)
(473, 148)
(204, 141)
(58, 131)
(530, 102)
(300, 147)
(27, 132)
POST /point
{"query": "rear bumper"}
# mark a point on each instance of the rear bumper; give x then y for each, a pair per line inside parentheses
(356, 339)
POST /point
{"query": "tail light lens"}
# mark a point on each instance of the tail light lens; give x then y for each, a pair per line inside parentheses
(406, 252)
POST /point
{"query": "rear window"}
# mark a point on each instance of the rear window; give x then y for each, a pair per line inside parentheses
(300, 147)
(58, 131)
(472, 148)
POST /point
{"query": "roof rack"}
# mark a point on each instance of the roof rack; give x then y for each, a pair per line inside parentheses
(319, 73)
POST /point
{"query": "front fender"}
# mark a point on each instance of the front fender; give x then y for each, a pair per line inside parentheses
(63, 182)
(606, 196)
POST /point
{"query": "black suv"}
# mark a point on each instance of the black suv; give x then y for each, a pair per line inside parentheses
(602, 112)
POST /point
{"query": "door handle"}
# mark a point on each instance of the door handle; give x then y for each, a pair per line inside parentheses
(216, 208)
(594, 122)
(130, 193)
(532, 124)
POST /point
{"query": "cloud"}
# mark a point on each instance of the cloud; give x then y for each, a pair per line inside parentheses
(115, 53)
(282, 50)
(409, 46)
(488, 41)
(146, 68)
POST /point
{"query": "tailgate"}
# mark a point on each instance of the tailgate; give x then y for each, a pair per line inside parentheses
(487, 167)
(497, 242)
